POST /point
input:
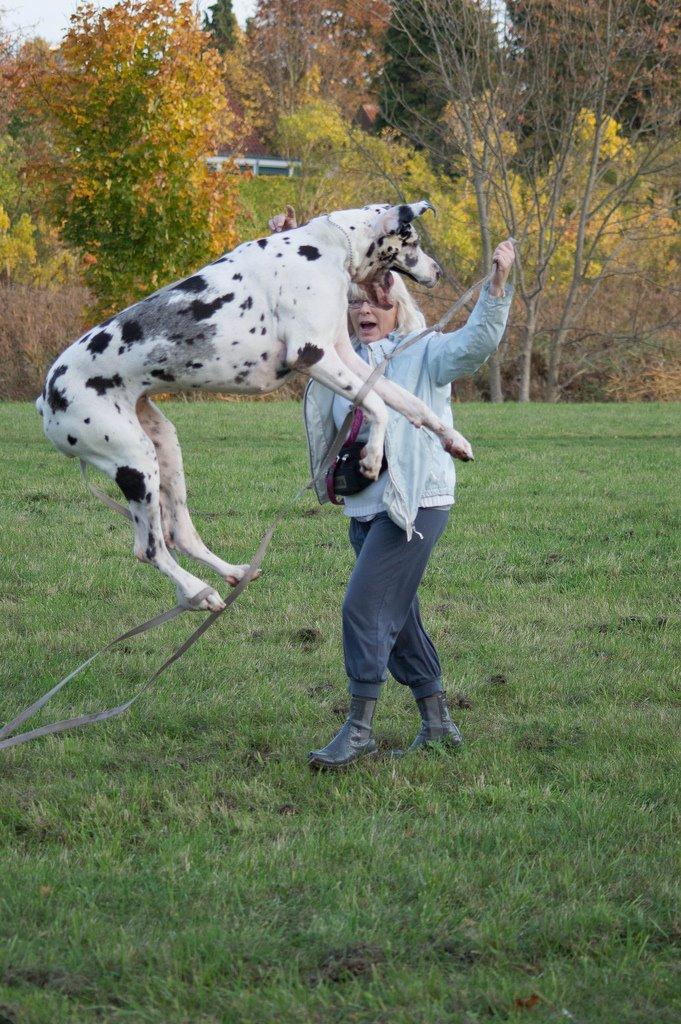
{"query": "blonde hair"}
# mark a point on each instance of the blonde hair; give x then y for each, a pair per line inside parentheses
(409, 317)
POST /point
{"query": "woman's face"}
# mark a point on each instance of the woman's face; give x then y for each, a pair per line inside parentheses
(372, 320)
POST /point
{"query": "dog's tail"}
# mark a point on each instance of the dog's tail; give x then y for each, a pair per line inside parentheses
(39, 403)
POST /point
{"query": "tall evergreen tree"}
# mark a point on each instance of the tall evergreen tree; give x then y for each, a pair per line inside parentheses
(220, 21)
(416, 86)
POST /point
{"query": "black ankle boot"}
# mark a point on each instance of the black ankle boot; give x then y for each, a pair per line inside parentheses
(352, 742)
(436, 724)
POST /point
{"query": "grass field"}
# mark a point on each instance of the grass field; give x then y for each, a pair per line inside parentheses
(182, 864)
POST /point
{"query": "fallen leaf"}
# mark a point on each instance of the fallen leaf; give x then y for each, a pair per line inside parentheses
(528, 1003)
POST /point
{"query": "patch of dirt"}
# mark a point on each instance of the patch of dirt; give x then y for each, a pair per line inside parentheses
(497, 680)
(60, 981)
(308, 637)
(462, 701)
(342, 964)
(461, 954)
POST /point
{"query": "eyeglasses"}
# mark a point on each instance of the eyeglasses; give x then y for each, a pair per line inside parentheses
(358, 303)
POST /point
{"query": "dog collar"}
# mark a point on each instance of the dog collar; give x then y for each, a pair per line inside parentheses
(348, 242)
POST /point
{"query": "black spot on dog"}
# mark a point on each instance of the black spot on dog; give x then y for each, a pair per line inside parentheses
(131, 482)
(191, 284)
(162, 375)
(283, 371)
(204, 310)
(262, 317)
(249, 362)
(106, 438)
(193, 366)
(237, 277)
(241, 377)
(132, 332)
(70, 439)
(151, 546)
(405, 215)
(262, 242)
(252, 330)
(117, 407)
(235, 343)
(308, 355)
(86, 420)
(279, 255)
(371, 249)
(264, 356)
(247, 303)
(99, 343)
(102, 384)
(263, 330)
(411, 261)
(310, 252)
(56, 398)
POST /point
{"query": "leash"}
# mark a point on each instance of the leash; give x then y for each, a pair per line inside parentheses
(7, 733)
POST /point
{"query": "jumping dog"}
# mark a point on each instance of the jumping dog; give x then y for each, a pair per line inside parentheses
(243, 324)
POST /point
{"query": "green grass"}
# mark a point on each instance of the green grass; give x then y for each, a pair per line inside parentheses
(181, 864)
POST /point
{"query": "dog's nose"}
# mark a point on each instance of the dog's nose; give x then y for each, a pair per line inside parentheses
(438, 270)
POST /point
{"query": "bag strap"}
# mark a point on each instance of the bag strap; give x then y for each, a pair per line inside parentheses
(355, 427)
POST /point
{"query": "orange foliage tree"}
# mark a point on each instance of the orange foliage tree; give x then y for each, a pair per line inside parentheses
(134, 99)
(303, 48)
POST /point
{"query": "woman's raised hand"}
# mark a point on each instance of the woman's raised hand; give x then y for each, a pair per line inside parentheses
(283, 221)
(502, 261)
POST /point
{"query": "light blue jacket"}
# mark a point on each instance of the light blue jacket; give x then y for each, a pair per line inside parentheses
(419, 471)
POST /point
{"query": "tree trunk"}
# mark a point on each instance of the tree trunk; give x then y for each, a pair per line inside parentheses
(552, 389)
(496, 392)
(526, 352)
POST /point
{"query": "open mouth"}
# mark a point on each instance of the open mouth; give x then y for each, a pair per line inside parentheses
(406, 273)
(367, 325)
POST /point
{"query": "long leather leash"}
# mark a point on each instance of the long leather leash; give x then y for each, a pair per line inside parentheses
(7, 737)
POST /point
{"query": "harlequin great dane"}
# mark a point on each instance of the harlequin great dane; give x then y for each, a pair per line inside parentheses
(243, 325)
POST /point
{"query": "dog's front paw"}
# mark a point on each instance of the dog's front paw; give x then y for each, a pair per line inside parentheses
(457, 446)
(370, 463)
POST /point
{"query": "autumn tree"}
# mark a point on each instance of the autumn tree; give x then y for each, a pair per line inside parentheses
(533, 121)
(305, 48)
(134, 100)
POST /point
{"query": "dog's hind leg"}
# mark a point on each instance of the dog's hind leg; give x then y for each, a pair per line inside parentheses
(128, 457)
(178, 529)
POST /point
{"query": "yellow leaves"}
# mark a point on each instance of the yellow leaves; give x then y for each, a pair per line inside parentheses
(17, 247)
(134, 103)
(314, 130)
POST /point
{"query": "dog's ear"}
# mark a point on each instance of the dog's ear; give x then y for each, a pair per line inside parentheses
(398, 217)
(380, 290)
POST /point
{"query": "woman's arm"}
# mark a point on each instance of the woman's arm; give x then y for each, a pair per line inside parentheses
(454, 355)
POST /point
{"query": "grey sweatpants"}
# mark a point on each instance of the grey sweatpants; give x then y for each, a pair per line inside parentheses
(382, 626)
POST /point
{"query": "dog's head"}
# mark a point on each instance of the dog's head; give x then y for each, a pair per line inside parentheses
(384, 239)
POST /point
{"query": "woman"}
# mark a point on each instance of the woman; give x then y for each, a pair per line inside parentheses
(397, 520)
